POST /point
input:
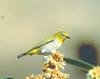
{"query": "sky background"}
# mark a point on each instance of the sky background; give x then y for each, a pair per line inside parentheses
(25, 22)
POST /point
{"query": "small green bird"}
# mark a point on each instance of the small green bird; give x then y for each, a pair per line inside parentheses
(47, 46)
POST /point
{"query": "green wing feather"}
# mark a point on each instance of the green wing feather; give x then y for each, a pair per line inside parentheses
(41, 43)
(44, 42)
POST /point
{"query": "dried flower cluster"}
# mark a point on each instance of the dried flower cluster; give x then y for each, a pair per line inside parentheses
(51, 68)
(94, 73)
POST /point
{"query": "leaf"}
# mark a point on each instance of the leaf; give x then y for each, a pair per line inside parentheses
(3, 77)
(79, 63)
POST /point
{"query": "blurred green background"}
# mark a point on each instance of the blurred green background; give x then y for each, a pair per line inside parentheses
(24, 22)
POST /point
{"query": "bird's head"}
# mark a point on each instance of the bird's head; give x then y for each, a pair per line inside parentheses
(62, 35)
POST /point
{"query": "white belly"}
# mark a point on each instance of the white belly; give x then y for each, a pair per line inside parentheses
(48, 48)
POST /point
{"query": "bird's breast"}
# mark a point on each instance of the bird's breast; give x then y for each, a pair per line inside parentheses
(51, 46)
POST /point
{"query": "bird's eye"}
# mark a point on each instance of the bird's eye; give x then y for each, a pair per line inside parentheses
(62, 34)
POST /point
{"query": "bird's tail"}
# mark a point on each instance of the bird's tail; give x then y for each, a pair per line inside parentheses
(21, 55)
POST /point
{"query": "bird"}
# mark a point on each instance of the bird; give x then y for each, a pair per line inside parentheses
(48, 45)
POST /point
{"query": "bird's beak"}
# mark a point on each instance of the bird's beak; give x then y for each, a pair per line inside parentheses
(68, 37)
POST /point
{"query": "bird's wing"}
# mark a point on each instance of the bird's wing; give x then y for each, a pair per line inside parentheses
(41, 43)
(44, 42)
